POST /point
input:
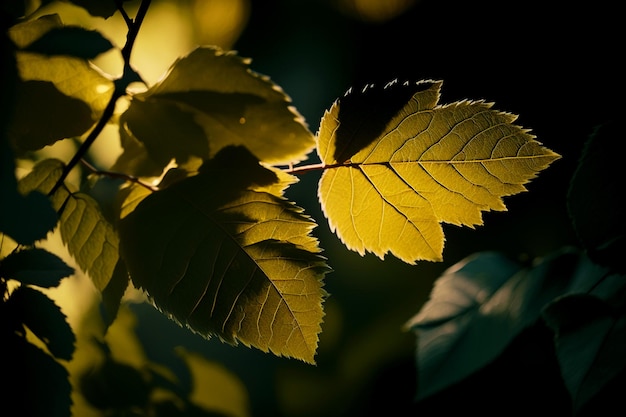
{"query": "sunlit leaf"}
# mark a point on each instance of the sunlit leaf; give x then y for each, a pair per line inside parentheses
(35, 266)
(215, 100)
(74, 77)
(27, 32)
(89, 237)
(480, 305)
(99, 8)
(71, 40)
(44, 318)
(220, 257)
(392, 177)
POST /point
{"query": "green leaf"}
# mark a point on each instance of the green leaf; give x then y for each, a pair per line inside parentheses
(27, 32)
(74, 77)
(98, 8)
(44, 318)
(389, 183)
(218, 101)
(73, 41)
(478, 306)
(43, 115)
(35, 266)
(590, 338)
(220, 257)
(594, 197)
(113, 292)
(90, 238)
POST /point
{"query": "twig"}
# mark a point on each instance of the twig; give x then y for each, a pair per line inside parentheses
(117, 175)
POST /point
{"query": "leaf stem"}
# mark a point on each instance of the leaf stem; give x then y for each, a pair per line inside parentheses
(117, 175)
(316, 167)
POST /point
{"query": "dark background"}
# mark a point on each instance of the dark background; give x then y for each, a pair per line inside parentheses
(555, 64)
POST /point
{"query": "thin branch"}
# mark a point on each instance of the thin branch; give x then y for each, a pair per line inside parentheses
(316, 167)
(120, 7)
(117, 175)
(119, 91)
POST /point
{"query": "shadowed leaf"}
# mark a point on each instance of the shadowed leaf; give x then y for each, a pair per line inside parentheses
(43, 115)
(224, 103)
(71, 40)
(44, 318)
(89, 237)
(429, 164)
(480, 305)
(220, 257)
(590, 338)
(35, 266)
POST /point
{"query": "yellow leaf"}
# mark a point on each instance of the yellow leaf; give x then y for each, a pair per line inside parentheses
(391, 180)
(223, 253)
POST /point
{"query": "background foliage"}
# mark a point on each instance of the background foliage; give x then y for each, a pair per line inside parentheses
(540, 63)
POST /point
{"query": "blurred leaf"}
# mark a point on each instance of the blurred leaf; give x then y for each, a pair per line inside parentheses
(478, 306)
(27, 32)
(44, 318)
(98, 8)
(90, 238)
(392, 177)
(71, 40)
(218, 101)
(595, 195)
(214, 387)
(35, 266)
(43, 115)
(38, 385)
(74, 77)
(230, 260)
(590, 339)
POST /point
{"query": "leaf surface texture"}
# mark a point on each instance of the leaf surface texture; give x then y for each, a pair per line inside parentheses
(388, 185)
(221, 257)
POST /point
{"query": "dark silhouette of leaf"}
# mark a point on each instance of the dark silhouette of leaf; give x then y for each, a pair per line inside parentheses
(478, 306)
(44, 318)
(226, 103)
(90, 238)
(35, 266)
(220, 256)
(71, 40)
(44, 115)
(590, 338)
(114, 291)
(38, 385)
(594, 199)
(428, 164)
(98, 8)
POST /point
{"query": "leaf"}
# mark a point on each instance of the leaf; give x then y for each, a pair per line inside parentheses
(27, 32)
(596, 187)
(43, 115)
(230, 260)
(478, 306)
(71, 40)
(590, 338)
(35, 266)
(98, 8)
(90, 238)
(214, 100)
(44, 318)
(215, 389)
(113, 292)
(39, 383)
(388, 183)
(74, 77)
